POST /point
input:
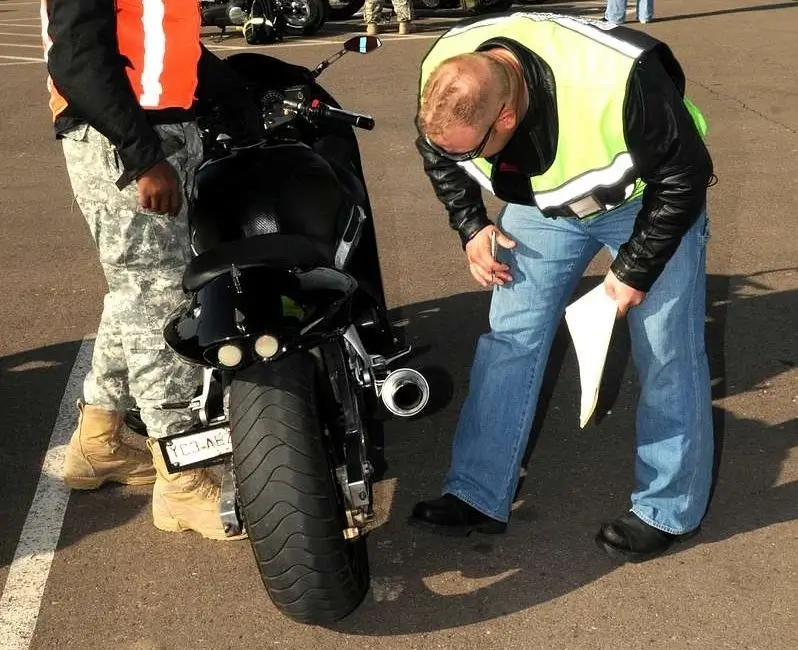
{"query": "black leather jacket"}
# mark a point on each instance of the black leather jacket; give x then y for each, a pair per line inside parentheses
(667, 150)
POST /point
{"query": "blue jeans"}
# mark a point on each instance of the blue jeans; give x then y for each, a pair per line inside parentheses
(616, 11)
(674, 415)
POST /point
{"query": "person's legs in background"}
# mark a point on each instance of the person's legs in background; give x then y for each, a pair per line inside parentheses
(615, 12)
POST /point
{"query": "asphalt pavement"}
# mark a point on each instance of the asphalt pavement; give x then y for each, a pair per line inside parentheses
(88, 571)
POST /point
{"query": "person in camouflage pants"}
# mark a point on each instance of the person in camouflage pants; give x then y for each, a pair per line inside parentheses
(372, 11)
(143, 255)
(124, 96)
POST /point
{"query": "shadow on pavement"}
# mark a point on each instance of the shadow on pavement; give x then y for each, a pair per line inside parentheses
(577, 479)
(31, 387)
(736, 10)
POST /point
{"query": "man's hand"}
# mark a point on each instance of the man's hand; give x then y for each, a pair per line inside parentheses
(625, 296)
(483, 267)
(159, 189)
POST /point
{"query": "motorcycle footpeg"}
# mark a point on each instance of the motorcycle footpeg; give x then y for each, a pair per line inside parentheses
(196, 448)
(384, 361)
(397, 354)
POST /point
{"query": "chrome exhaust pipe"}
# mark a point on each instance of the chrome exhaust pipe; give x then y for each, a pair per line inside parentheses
(405, 392)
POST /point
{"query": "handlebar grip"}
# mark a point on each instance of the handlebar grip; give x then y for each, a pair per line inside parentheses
(354, 119)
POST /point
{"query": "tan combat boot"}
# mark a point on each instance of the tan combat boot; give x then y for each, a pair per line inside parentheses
(372, 29)
(406, 27)
(97, 455)
(187, 500)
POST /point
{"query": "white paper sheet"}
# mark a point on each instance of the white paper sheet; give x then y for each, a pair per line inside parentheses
(590, 321)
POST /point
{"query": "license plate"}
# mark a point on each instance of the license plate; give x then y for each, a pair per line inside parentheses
(196, 448)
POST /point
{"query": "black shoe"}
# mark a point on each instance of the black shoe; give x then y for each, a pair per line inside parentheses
(448, 515)
(134, 422)
(630, 539)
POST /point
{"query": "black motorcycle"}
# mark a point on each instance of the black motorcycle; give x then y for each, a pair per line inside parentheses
(265, 21)
(286, 313)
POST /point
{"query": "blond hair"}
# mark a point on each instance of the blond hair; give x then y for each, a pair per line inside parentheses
(461, 91)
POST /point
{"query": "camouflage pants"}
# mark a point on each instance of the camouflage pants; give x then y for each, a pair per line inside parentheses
(143, 256)
(372, 10)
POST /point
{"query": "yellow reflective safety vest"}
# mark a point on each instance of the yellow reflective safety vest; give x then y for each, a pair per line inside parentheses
(591, 69)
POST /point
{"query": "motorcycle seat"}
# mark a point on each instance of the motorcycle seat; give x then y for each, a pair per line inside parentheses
(272, 250)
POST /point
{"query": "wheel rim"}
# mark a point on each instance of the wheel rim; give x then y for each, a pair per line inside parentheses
(299, 13)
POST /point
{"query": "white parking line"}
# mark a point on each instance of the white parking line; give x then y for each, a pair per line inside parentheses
(28, 59)
(27, 576)
(305, 42)
(218, 47)
(16, 23)
(318, 41)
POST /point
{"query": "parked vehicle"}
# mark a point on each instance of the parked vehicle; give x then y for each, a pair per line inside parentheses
(286, 313)
(265, 21)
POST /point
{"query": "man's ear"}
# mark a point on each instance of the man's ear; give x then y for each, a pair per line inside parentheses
(508, 120)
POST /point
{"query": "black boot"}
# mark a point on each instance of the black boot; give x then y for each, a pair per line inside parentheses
(630, 539)
(448, 515)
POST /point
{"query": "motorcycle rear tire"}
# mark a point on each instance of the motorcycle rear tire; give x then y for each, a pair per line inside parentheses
(289, 501)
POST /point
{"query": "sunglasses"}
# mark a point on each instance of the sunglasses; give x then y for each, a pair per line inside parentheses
(476, 152)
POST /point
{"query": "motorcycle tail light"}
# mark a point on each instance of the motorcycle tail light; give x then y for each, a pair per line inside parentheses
(229, 355)
(266, 346)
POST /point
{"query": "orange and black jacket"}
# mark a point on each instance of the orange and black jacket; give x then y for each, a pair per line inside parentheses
(123, 66)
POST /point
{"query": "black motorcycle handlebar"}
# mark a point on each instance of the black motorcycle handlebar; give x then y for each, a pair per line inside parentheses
(317, 109)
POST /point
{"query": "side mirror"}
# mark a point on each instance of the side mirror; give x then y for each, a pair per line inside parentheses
(359, 44)
(362, 44)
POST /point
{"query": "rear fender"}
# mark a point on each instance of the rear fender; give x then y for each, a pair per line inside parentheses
(298, 308)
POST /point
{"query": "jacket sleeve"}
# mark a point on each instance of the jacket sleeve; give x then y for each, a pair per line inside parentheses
(459, 193)
(88, 71)
(670, 156)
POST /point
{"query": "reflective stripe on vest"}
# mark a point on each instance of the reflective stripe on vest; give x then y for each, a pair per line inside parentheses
(591, 70)
(573, 190)
(160, 40)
